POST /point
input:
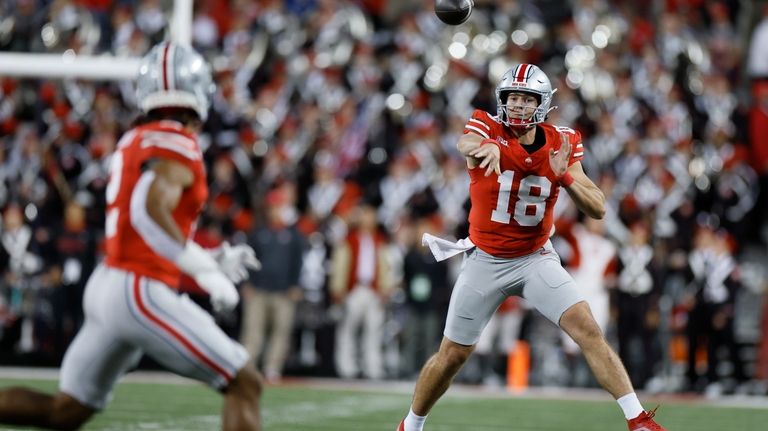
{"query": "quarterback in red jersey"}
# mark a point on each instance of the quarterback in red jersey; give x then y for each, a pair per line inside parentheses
(156, 190)
(517, 165)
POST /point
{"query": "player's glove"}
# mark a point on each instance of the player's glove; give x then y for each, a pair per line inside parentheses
(236, 260)
(200, 265)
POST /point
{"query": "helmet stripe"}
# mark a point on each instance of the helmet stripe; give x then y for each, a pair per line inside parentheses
(165, 66)
(522, 71)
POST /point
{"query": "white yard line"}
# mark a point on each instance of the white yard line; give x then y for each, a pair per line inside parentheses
(406, 387)
(345, 407)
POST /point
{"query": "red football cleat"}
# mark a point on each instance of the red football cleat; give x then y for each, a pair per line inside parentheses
(401, 427)
(645, 422)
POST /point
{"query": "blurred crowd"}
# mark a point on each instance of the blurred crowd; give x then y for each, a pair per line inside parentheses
(330, 149)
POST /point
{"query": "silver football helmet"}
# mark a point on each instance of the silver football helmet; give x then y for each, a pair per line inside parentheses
(173, 75)
(524, 78)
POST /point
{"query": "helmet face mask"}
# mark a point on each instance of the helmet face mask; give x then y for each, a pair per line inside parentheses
(174, 76)
(520, 107)
(524, 79)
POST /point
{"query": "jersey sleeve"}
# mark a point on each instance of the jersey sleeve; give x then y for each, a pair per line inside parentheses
(574, 138)
(169, 145)
(479, 124)
(577, 148)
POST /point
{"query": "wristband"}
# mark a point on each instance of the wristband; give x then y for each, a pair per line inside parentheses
(565, 180)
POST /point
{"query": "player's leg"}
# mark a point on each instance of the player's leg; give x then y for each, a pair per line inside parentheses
(242, 410)
(93, 363)
(598, 305)
(552, 291)
(437, 375)
(26, 407)
(605, 364)
(475, 297)
(98, 356)
(184, 338)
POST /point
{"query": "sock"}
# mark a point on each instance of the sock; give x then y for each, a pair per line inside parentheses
(414, 422)
(630, 405)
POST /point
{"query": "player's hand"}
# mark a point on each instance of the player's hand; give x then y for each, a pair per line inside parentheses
(235, 261)
(558, 161)
(489, 156)
(223, 294)
(203, 268)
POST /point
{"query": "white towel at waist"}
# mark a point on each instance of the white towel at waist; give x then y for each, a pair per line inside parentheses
(443, 249)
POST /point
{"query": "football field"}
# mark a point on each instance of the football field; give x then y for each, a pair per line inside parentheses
(171, 404)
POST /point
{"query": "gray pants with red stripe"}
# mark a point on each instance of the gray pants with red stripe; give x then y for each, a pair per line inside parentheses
(486, 281)
(126, 316)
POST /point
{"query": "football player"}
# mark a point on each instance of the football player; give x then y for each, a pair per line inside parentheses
(156, 190)
(517, 165)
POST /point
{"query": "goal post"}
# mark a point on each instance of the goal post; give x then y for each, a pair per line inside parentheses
(61, 66)
(104, 67)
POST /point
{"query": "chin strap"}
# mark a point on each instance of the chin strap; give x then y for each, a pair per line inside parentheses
(519, 131)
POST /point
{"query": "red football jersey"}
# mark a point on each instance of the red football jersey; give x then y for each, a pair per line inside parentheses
(129, 230)
(511, 213)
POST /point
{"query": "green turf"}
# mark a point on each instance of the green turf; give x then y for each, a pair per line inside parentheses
(171, 407)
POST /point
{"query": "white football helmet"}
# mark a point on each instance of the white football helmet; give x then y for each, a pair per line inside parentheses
(524, 78)
(173, 75)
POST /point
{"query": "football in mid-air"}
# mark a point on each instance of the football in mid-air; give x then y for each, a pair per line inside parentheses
(453, 12)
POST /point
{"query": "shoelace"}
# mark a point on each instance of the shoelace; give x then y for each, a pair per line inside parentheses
(652, 413)
(649, 416)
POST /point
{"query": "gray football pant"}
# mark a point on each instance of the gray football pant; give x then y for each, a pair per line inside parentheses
(485, 281)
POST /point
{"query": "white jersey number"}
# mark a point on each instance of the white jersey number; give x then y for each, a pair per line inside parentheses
(115, 175)
(525, 200)
(113, 187)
